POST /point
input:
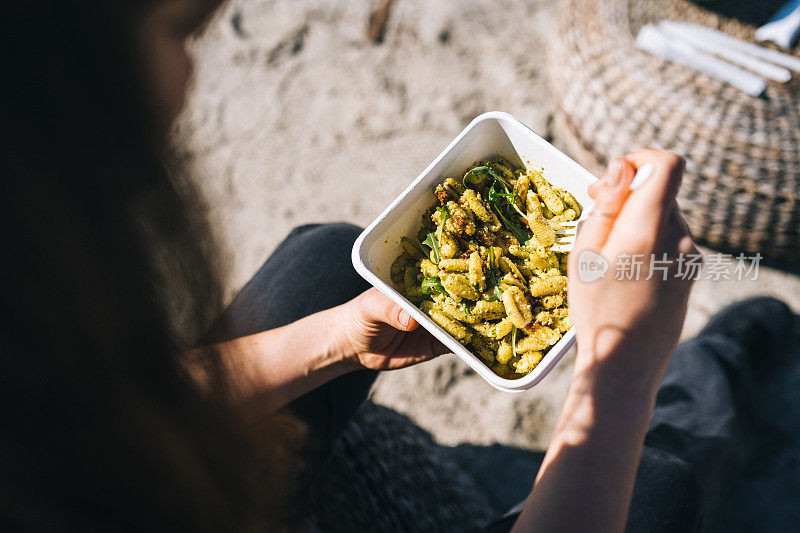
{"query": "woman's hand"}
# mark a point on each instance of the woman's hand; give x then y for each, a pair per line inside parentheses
(281, 364)
(380, 335)
(633, 325)
(627, 330)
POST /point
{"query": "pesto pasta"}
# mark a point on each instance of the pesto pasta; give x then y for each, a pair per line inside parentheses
(482, 267)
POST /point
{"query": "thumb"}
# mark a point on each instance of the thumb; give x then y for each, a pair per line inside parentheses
(376, 307)
(610, 194)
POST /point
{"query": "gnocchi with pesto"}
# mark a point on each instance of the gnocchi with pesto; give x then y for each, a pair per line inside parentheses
(481, 265)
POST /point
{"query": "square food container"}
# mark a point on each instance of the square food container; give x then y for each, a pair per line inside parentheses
(488, 135)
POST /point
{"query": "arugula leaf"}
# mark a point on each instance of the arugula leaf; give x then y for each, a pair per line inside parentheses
(516, 230)
(433, 244)
(471, 178)
(505, 184)
(433, 241)
(501, 197)
(432, 286)
(444, 213)
(504, 197)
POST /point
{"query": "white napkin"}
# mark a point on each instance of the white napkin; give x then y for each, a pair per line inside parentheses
(654, 40)
(784, 27)
(752, 63)
(724, 40)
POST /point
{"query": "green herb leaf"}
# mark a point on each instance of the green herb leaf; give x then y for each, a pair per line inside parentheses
(502, 180)
(505, 197)
(444, 213)
(433, 244)
(516, 230)
(432, 286)
(501, 198)
(497, 294)
(518, 210)
(476, 176)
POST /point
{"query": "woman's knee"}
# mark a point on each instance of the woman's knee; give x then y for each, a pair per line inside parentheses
(667, 495)
(320, 250)
(323, 235)
(312, 270)
(308, 272)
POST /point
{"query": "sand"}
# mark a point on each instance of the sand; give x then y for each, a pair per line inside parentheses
(297, 118)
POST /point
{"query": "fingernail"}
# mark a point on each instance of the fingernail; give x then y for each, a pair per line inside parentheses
(404, 319)
(614, 172)
(642, 175)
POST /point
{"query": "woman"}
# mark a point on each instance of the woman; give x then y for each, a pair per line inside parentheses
(112, 420)
(109, 418)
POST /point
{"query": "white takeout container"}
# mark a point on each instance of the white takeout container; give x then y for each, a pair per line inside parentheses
(486, 136)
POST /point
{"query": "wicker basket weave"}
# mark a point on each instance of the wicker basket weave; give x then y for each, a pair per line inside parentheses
(742, 182)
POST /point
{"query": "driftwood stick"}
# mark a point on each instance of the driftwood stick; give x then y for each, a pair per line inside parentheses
(378, 17)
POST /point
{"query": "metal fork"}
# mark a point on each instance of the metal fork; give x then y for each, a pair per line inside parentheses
(566, 232)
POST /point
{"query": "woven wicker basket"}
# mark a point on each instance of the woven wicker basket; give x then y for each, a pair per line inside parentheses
(743, 154)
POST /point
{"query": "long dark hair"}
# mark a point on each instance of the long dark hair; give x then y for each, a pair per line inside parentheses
(110, 275)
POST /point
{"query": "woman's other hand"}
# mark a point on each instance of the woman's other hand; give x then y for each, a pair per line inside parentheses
(627, 330)
(633, 325)
(380, 335)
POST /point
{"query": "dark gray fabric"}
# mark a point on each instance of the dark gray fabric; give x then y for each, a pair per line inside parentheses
(309, 271)
(702, 415)
(666, 497)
